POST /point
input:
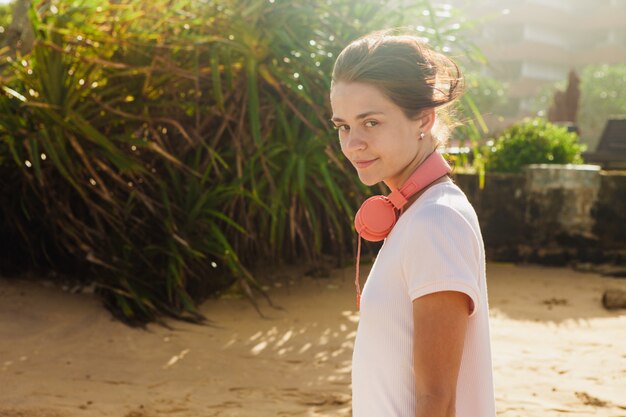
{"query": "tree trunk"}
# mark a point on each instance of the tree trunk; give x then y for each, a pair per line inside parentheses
(19, 36)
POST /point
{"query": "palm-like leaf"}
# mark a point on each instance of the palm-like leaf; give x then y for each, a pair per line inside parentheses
(170, 143)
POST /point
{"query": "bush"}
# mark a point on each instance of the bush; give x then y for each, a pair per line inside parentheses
(533, 141)
(160, 148)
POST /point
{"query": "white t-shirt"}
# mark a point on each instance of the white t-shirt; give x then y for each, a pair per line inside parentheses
(436, 245)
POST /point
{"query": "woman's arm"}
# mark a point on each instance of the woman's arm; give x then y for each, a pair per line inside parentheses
(440, 321)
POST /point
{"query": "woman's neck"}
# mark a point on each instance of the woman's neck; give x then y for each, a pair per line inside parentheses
(422, 155)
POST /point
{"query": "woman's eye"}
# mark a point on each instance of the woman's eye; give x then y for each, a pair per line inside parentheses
(342, 128)
(370, 123)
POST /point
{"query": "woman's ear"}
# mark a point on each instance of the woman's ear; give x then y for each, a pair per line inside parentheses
(427, 120)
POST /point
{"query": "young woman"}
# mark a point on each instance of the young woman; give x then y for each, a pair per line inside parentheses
(422, 347)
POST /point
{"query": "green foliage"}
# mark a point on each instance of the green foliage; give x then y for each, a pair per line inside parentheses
(161, 147)
(5, 17)
(603, 95)
(533, 141)
(489, 94)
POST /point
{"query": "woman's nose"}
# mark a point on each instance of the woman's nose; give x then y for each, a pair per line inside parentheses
(354, 141)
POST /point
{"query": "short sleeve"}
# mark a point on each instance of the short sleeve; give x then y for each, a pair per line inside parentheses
(441, 253)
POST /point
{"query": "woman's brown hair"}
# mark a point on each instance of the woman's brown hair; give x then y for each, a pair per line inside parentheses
(406, 70)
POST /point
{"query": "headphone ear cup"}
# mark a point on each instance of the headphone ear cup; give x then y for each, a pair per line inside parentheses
(375, 218)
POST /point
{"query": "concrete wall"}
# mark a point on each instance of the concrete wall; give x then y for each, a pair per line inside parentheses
(553, 214)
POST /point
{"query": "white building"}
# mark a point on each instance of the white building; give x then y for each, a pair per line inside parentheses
(531, 43)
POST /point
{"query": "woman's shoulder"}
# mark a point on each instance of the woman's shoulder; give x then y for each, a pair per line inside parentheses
(444, 204)
(441, 199)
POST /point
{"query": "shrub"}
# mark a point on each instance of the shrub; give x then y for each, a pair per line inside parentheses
(533, 141)
(160, 148)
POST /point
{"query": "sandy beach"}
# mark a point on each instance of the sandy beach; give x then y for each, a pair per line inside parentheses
(556, 351)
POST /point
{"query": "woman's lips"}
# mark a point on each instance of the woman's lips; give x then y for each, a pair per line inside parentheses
(365, 163)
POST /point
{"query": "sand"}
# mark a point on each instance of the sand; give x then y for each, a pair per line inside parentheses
(556, 351)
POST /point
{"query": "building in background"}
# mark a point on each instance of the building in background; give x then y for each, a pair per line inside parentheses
(532, 43)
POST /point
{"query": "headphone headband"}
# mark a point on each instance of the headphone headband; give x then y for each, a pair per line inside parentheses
(434, 167)
(378, 214)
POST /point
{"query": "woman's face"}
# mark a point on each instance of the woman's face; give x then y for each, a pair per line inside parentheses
(375, 134)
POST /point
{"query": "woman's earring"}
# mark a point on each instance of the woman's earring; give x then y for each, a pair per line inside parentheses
(421, 135)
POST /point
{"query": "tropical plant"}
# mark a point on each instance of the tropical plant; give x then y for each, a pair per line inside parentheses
(162, 147)
(533, 141)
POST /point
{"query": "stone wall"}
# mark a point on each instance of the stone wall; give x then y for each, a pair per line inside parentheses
(554, 214)
(609, 211)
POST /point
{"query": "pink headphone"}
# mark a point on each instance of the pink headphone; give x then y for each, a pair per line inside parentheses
(378, 214)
